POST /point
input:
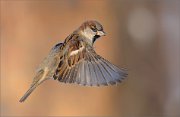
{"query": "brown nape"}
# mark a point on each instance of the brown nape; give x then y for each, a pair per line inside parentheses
(93, 24)
(82, 27)
(88, 23)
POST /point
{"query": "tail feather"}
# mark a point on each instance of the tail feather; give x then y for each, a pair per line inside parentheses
(27, 93)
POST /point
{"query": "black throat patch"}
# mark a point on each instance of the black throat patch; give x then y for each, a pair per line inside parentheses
(95, 37)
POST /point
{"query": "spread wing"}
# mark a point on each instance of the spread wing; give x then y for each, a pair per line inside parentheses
(83, 66)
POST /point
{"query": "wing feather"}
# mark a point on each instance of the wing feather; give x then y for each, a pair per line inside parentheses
(85, 67)
(93, 75)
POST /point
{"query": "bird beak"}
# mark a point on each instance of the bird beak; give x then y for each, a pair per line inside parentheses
(101, 33)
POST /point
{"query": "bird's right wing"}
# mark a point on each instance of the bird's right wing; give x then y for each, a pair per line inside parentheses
(83, 66)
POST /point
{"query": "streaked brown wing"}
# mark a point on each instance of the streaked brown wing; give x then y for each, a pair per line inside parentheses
(85, 67)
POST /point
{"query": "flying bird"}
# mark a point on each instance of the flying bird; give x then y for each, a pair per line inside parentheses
(75, 61)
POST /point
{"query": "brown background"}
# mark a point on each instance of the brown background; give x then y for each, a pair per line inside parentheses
(142, 36)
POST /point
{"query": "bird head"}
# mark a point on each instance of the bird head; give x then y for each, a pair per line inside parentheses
(91, 30)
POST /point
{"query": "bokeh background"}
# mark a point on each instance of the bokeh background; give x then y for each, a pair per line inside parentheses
(142, 36)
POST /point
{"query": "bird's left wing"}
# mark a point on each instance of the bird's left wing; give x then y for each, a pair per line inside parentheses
(83, 66)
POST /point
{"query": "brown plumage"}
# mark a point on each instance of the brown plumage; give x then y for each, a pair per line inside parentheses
(75, 61)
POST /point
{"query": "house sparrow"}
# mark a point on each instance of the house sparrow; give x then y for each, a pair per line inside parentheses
(75, 61)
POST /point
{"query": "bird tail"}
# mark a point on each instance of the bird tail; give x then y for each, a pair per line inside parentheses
(25, 96)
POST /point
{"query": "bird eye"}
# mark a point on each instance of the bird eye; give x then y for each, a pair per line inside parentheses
(94, 29)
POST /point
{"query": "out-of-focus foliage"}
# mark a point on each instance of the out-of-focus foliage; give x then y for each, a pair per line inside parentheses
(142, 36)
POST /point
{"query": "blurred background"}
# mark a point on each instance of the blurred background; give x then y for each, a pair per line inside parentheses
(142, 36)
